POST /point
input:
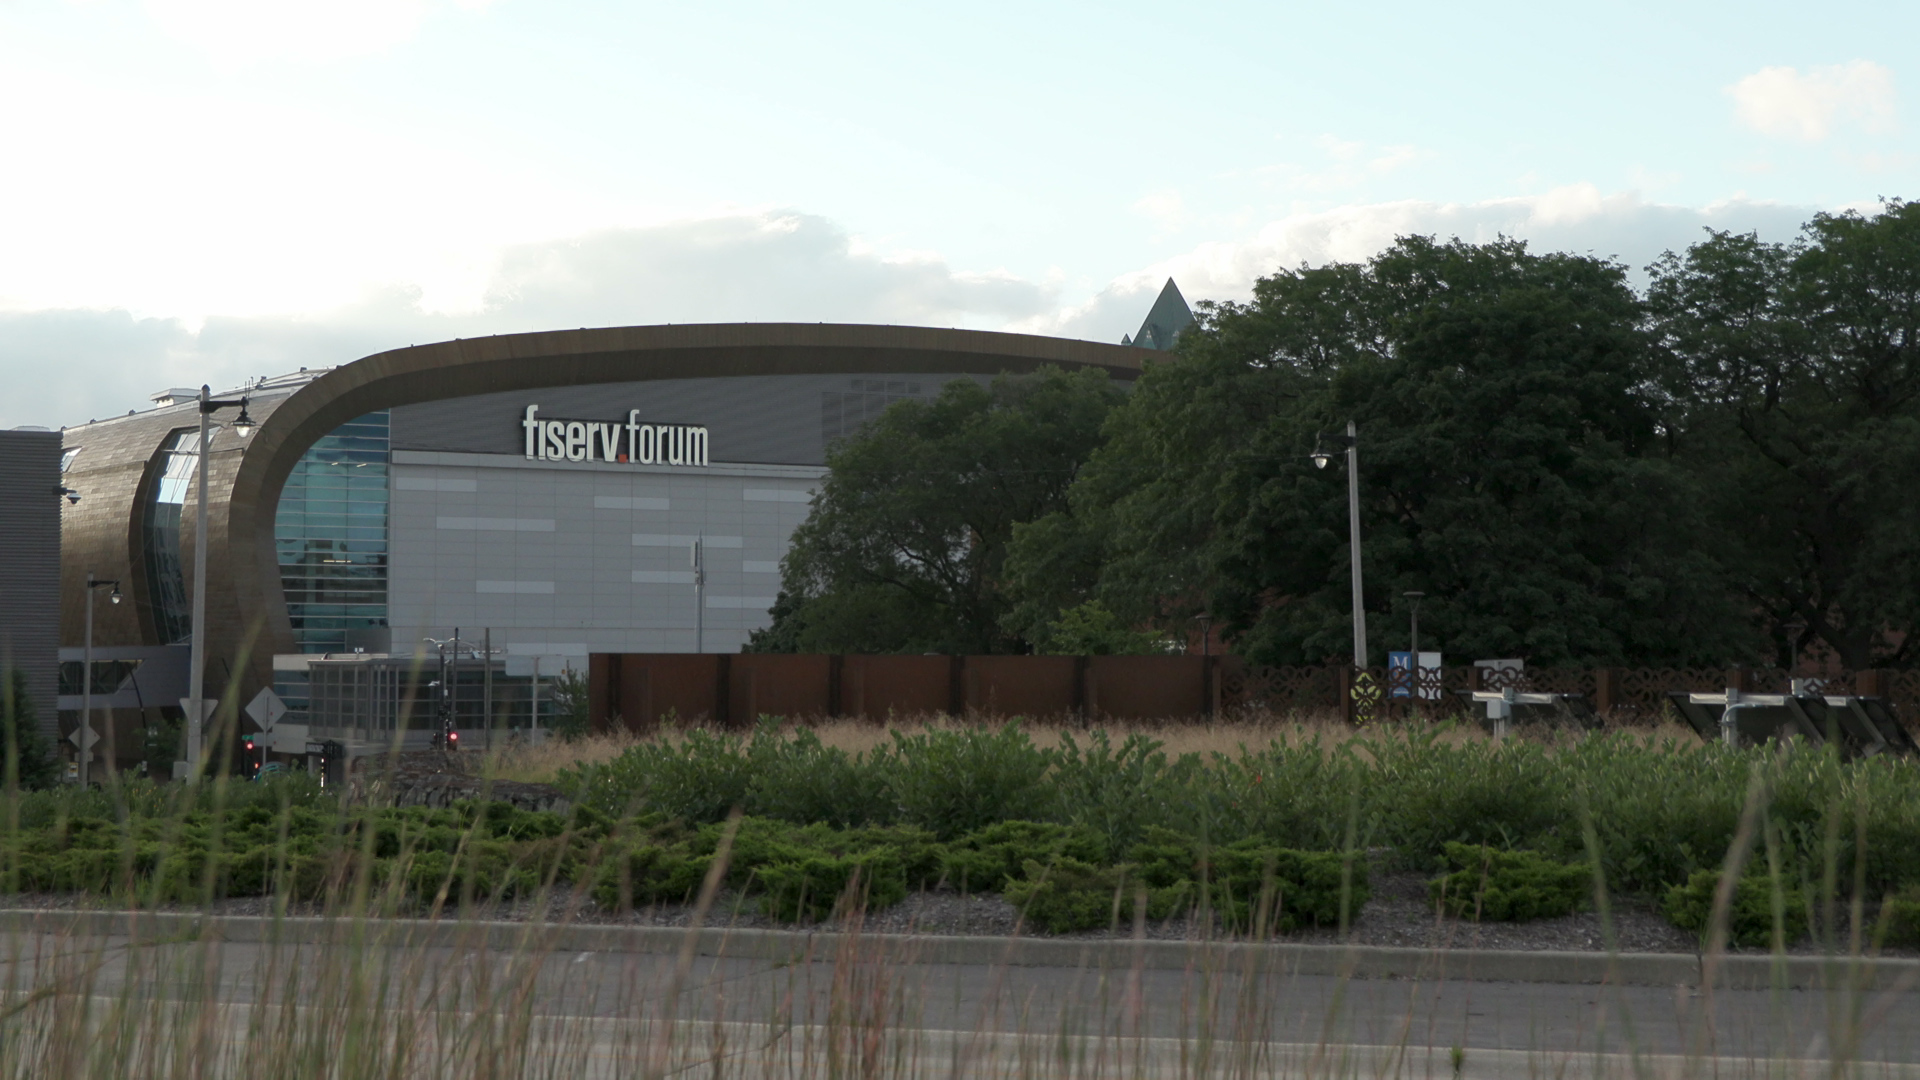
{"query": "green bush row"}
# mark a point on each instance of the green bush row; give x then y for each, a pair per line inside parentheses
(1656, 812)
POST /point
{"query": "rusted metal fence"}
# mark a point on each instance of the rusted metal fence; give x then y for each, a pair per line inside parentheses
(640, 690)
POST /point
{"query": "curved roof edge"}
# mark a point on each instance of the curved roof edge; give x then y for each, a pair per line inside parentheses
(469, 366)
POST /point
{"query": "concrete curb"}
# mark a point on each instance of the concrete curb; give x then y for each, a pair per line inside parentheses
(783, 946)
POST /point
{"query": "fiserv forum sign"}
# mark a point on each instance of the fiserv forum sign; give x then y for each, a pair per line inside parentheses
(632, 443)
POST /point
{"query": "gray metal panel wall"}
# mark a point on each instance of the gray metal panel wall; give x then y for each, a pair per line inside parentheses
(580, 558)
(773, 419)
(30, 565)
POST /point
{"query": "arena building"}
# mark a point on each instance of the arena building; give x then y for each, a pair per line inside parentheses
(542, 492)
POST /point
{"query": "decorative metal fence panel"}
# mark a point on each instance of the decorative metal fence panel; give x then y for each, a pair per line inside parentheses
(640, 690)
(1624, 693)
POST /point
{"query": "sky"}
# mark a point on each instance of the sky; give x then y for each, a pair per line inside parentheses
(210, 190)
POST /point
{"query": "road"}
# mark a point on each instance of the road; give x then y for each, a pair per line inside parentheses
(614, 1007)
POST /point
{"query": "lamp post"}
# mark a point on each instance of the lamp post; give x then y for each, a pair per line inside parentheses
(1413, 648)
(1794, 630)
(86, 674)
(1413, 599)
(197, 654)
(700, 593)
(1320, 461)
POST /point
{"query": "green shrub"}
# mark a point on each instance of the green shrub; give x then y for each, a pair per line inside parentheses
(1510, 886)
(1242, 880)
(1750, 920)
(701, 778)
(796, 778)
(813, 886)
(647, 872)
(953, 782)
(1900, 918)
(1067, 895)
(985, 859)
(1119, 793)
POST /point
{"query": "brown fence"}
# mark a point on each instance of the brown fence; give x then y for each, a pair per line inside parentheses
(640, 690)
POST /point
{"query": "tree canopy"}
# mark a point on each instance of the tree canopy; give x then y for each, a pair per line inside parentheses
(1570, 471)
(905, 546)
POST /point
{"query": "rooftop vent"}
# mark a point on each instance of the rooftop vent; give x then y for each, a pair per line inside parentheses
(176, 396)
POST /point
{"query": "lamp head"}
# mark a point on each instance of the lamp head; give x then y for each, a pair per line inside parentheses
(243, 425)
(114, 596)
(1320, 458)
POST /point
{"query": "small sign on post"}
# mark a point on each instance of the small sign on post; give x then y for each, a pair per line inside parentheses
(83, 737)
(266, 708)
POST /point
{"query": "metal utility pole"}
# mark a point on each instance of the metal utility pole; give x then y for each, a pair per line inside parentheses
(700, 593)
(1353, 530)
(1414, 645)
(1320, 460)
(197, 650)
(486, 682)
(86, 736)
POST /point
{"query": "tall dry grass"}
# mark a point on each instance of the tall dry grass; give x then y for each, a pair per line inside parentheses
(1250, 729)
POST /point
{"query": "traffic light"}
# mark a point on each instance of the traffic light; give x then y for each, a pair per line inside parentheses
(252, 759)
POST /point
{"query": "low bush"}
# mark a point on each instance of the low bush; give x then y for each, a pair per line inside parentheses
(815, 885)
(1760, 904)
(1254, 886)
(986, 859)
(1067, 894)
(951, 782)
(1509, 886)
(1900, 919)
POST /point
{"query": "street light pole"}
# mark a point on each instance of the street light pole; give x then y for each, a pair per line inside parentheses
(197, 641)
(1353, 530)
(700, 593)
(86, 676)
(1413, 647)
(1414, 598)
(1320, 460)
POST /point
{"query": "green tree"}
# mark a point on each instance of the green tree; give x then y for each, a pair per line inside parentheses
(29, 759)
(905, 546)
(1798, 369)
(1512, 465)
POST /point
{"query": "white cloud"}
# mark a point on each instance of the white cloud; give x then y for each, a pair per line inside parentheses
(1783, 103)
(1164, 207)
(247, 31)
(69, 365)
(1576, 217)
(1345, 164)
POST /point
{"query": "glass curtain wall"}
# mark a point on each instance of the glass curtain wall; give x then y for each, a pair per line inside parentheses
(331, 536)
(166, 575)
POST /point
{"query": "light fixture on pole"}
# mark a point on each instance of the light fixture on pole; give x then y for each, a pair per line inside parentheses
(1321, 458)
(72, 496)
(85, 737)
(197, 639)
